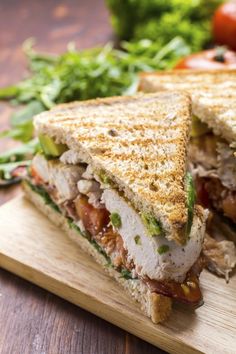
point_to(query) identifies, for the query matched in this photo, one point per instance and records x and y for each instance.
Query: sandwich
(211, 153)
(112, 174)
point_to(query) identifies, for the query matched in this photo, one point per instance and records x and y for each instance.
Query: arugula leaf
(41, 191)
(23, 132)
(21, 122)
(7, 168)
(96, 72)
(92, 241)
(101, 250)
(126, 274)
(19, 153)
(8, 92)
(79, 75)
(26, 114)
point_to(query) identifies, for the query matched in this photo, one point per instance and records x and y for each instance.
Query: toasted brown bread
(140, 142)
(213, 95)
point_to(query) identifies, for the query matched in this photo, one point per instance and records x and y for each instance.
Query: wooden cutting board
(33, 248)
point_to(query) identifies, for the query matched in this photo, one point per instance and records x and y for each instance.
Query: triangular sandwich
(112, 174)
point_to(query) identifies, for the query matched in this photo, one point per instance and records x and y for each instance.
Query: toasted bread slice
(139, 142)
(213, 95)
(155, 306)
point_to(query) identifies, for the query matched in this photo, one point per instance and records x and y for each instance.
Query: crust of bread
(145, 155)
(155, 306)
(213, 94)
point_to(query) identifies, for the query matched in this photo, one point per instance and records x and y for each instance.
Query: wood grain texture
(32, 320)
(35, 249)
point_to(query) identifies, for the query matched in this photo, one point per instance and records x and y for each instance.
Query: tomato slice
(36, 177)
(217, 58)
(202, 194)
(229, 206)
(94, 219)
(224, 24)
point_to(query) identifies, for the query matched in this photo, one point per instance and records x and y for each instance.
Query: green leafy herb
(8, 92)
(21, 122)
(162, 20)
(137, 240)
(46, 197)
(163, 249)
(101, 250)
(73, 225)
(152, 225)
(104, 178)
(79, 75)
(126, 274)
(191, 197)
(115, 220)
(19, 153)
(90, 73)
(6, 170)
(85, 234)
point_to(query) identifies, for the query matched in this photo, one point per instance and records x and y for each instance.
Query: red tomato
(94, 219)
(36, 177)
(228, 205)
(224, 24)
(202, 194)
(217, 58)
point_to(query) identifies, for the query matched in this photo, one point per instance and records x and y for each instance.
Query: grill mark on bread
(137, 141)
(213, 94)
(101, 150)
(154, 176)
(133, 156)
(171, 198)
(146, 174)
(113, 125)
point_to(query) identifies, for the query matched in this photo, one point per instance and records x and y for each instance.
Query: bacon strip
(187, 292)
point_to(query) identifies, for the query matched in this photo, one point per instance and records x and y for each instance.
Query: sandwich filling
(133, 243)
(214, 166)
(214, 170)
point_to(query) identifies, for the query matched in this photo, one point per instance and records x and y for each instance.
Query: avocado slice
(198, 128)
(152, 225)
(50, 148)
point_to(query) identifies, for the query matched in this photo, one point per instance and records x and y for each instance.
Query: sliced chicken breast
(63, 177)
(155, 257)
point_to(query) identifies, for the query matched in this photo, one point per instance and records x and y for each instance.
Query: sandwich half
(211, 151)
(112, 173)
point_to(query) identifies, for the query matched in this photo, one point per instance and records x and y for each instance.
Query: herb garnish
(152, 225)
(126, 274)
(163, 249)
(46, 197)
(137, 240)
(115, 220)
